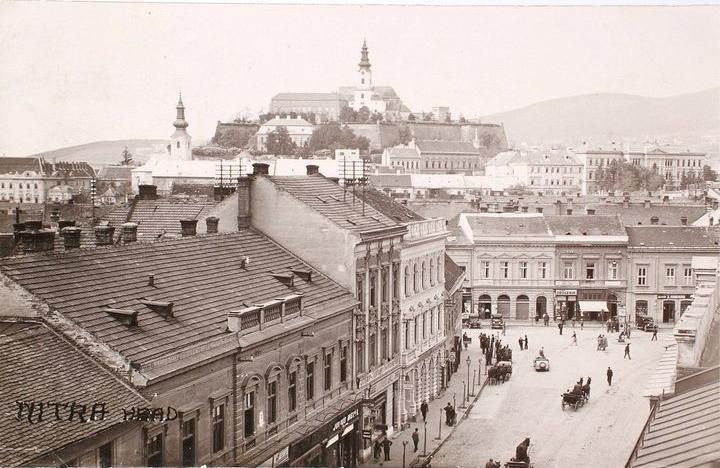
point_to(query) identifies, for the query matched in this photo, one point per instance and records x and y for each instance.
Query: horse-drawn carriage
(577, 397)
(500, 372)
(504, 354)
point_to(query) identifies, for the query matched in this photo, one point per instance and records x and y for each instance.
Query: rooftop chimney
(104, 235)
(666, 199)
(646, 203)
(63, 223)
(243, 190)
(626, 201)
(71, 236)
(538, 209)
(591, 211)
(129, 232)
(714, 204)
(188, 227)
(211, 223)
(683, 221)
(312, 169)
(261, 169)
(147, 192)
(37, 240)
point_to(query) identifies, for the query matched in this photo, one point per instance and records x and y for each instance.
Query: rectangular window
(416, 326)
(309, 380)
(188, 442)
(542, 269)
(396, 281)
(155, 450)
(372, 351)
(218, 428)
(373, 290)
(568, 270)
(360, 292)
(670, 276)
(328, 371)
(407, 334)
(688, 275)
(292, 391)
(343, 363)
(360, 361)
(272, 402)
(395, 338)
(590, 270)
(384, 285)
(505, 269)
(612, 270)
(424, 325)
(523, 270)
(105, 457)
(642, 276)
(249, 414)
(384, 345)
(485, 269)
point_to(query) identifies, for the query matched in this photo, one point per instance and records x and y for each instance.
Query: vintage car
(643, 322)
(541, 363)
(496, 321)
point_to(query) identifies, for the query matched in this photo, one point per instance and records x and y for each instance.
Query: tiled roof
(37, 364)
(637, 214)
(390, 180)
(444, 146)
(502, 159)
(278, 122)
(552, 157)
(388, 206)
(581, 225)
(403, 152)
(685, 431)
(671, 236)
(671, 149)
(162, 216)
(510, 225)
(115, 172)
(307, 97)
(69, 169)
(452, 273)
(331, 201)
(118, 215)
(202, 276)
(19, 165)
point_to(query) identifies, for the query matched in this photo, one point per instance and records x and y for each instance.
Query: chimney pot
(37, 241)
(243, 191)
(147, 192)
(261, 169)
(312, 169)
(129, 233)
(104, 235)
(63, 223)
(151, 280)
(212, 222)
(71, 237)
(188, 227)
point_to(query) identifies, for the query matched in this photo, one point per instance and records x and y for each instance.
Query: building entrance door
(540, 306)
(668, 311)
(503, 307)
(522, 308)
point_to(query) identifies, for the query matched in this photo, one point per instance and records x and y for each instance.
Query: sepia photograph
(402, 235)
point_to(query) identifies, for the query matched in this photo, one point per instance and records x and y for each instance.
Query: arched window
(250, 391)
(407, 281)
(424, 275)
(272, 388)
(416, 274)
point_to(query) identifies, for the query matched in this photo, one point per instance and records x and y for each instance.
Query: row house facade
(239, 352)
(549, 172)
(33, 179)
(661, 268)
(361, 249)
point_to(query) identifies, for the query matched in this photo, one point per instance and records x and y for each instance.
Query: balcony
(425, 228)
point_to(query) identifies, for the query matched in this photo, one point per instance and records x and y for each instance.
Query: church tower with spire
(363, 92)
(180, 139)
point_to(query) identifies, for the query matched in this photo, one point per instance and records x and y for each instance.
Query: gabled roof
(115, 173)
(19, 165)
(671, 237)
(538, 157)
(672, 149)
(445, 146)
(38, 364)
(388, 206)
(333, 202)
(402, 152)
(68, 169)
(585, 225)
(307, 97)
(685, 431)
(201, 276)
(452, 273)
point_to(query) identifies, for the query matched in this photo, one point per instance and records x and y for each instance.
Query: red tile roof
(201, 275)
(672, 237)
(38, 364)
(585, 225)
(331, 201)
(388, 206)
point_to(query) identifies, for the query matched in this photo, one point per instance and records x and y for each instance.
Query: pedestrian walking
(520, 342)
(377, 450)
(415, 439)
(503, 328)
(424, 410)
(574, 338)
(560, 327)
(582, 324)
(448, 414)
(386, 447)
(526, 344)
(627, 352)
(573, 321)
(654, 336)
(609, 376)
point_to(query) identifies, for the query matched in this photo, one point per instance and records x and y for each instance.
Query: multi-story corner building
(241, 350)
(548, 172)
(661, 280)
(361, 249)
(454, 279)
(508, 260)
(671, 162)
(422, 302)
(31, 179)
(590, 268)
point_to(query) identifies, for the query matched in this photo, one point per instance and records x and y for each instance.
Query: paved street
(600, 434)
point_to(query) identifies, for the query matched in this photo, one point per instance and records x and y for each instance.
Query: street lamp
(404, 444)
(467, 361)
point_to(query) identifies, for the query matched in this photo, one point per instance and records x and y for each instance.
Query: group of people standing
(490, 346)
(523, 342)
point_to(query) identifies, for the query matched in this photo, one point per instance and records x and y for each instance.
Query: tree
(363, 114)
(448, 118)
(347, 114)
(404, 134)
(332, 136)
(708, 174)
(127, 158)
(411, 118)
(279, 142)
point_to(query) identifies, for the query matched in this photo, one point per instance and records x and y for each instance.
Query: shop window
(188, 442)
(218, 423)
(105, 455)
(310, 380)
(590, 270)
(272, 402)
(249, 414)
(155, 450)
(642, 276)
(328, 370)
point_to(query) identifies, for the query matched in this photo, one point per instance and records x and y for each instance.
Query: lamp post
(467, 394)
(404, 444)
(440, 425)
(462, 402)
(472, 394)
(425, 439)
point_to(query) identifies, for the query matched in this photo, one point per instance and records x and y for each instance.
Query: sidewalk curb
(429, 456)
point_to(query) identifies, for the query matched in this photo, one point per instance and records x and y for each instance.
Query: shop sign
(347, 429)
(346, 419)
(674, 296)
(367, 433)
(332, 440)
(566, 292)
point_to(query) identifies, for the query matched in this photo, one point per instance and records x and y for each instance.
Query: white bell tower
(180, 140)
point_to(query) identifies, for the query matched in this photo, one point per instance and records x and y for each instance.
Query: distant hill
(102, 153)
(690, 118)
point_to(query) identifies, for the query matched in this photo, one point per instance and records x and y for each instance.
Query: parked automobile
(496, 321)
(642, 322)
(474, 323)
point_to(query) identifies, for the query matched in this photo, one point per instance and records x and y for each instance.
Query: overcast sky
(72, 73)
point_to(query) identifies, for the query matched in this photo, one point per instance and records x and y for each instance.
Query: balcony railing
(424, 228)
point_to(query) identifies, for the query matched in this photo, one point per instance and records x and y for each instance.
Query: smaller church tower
(180, 140)
(363, 91)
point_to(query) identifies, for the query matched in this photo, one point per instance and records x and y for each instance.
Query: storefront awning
(593, 306)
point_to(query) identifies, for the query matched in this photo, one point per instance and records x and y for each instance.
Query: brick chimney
(33, 225)
(37, 240)
(148, 192)
(104, 235)
(63, 223)
(243, 191)
(211, 223)
(188, 227)
(71, 237)
(129, 233)
(312, 169)
(715, 204)
(261, 169)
